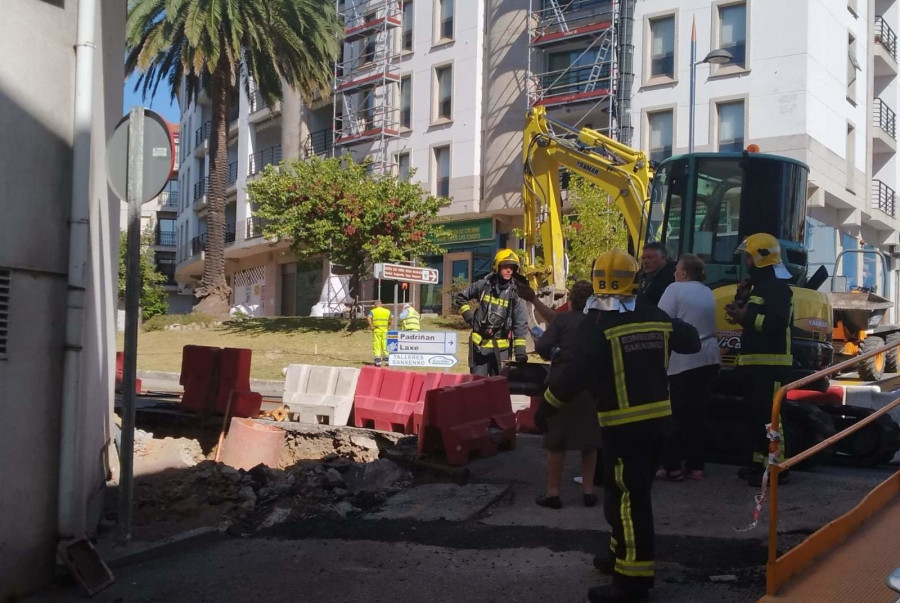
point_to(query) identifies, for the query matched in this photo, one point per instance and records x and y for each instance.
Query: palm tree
(216, 45)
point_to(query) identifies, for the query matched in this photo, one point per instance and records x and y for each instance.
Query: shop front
(470, 245)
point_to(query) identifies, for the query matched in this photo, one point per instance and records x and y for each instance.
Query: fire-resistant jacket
(498, 305)
(622, 359)
(766, 335)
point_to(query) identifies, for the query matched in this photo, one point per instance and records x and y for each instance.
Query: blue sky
(159, 103)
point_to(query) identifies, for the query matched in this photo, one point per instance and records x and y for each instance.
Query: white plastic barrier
(320, 394)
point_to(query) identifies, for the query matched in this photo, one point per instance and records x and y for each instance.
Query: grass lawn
(277, 342)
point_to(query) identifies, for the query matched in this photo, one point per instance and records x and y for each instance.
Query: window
(851, 157)
(368, 51)
(733, 32)
(444, 77)
(442, 171)
(445, 20)
(569, 71)
(403, 166)
(165, 232)
(660, 125)
(408, 23)
(368, 110)
(662, 47)
(405, 102)
(731, 126)
(852, 68)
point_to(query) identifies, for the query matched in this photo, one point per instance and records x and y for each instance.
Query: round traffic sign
(159, 157)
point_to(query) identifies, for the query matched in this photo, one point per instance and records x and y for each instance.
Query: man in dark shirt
(657, 273)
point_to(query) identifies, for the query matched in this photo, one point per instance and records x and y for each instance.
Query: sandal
(675, 476)
(551, 502)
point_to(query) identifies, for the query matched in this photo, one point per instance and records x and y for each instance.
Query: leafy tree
(210, 45)
(332, 206)
(596, 226)
(153, 296)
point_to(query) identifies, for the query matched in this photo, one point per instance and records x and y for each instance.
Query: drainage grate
(5, 279)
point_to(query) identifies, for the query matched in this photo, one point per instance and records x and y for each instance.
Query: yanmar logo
(587, 168)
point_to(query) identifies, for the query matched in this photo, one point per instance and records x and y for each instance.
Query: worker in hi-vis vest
(409, 319)
(379, 321)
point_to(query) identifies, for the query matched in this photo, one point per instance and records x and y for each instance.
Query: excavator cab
(707, 203)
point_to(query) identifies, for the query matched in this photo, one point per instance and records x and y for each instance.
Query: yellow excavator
(700, 203)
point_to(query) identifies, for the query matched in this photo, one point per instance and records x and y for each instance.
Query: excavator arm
(620, 171)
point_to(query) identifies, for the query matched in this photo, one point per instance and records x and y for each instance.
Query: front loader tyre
(805, 425)
(890, 365)
(872, 369)
(875, 444)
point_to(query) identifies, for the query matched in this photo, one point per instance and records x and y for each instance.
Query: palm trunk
(214, 289)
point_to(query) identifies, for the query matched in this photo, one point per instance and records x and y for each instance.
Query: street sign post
(422, 348)
(409, 274)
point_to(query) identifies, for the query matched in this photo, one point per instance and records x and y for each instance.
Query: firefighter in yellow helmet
(498, 321)
(762, 307)
(621, 359)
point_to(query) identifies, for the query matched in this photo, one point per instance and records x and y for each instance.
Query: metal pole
(693, 85)
(132, 307)
(396, 304)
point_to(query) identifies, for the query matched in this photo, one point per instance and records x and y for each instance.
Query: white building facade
(442, 87)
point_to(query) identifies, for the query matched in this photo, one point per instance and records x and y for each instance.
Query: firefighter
(623, 352)
(409, 319)
(762, 307)
(379, 321)
(498, 314)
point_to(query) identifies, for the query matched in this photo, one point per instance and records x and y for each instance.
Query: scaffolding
(580, 52)
(367, 81)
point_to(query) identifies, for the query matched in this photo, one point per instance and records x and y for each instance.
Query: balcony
(230, 231)
(166, 267)
(201, 134)
(575, 19)
(164, 238)
(883, 198)
(255, 227)
(885, 49)
(571, 85)
(201, 189)
(198, 244)
(257, 105)
(884, 134)
(168, 200)
(319, 143)
(260, 159)
(232, 173)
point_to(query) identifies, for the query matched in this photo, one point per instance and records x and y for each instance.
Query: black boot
(610, 594)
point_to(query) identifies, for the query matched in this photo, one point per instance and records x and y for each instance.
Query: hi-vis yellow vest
(381, 317)
(411, 322)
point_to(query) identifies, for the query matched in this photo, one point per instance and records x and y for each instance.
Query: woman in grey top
(690, 375)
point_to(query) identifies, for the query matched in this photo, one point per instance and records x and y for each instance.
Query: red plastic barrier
(459, 420)
(434, 381)
(199, 365)
(120, 374)
(833, 397)
(525, 417)
(234, 376)
(386, 400)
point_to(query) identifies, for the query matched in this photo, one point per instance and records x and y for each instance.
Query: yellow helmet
(615, 273)
(506, 256)
(763, 249)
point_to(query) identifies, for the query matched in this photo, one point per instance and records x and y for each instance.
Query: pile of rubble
(214, 493)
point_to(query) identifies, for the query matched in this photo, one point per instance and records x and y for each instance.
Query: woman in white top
(690, 375)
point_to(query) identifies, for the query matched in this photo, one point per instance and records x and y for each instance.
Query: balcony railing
(229, 233)
(319, 143)
(165, 238)
(166, 267)
(198, 244)
(201, 134)
(232, 173)
(261, 159)
(168, 199)
(885, 118)
(885, 36)
(883, 197)
(255, 101)
(201, 188)
(255, 227)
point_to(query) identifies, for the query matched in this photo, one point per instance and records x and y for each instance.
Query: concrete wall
(36, 108)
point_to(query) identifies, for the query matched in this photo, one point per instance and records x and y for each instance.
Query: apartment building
(160, 216)
(442, 88)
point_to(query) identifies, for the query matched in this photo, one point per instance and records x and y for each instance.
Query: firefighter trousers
(631, 456)
(486, 361)
(760, 385)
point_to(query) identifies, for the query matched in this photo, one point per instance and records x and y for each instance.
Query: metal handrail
(883, 197)
(776, 468)
(885, 36)
(885, 118)
(267, 156)
(232, 172)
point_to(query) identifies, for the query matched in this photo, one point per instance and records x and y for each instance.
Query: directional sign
(421, 342)
(410, 274)
(426, 360)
